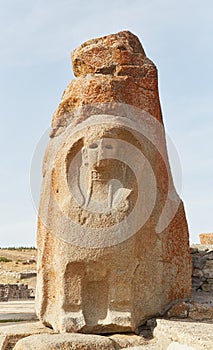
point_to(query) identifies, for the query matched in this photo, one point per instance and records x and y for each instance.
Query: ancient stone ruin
(113, 245)
(202, 272)
(14, 291)
(206, 238)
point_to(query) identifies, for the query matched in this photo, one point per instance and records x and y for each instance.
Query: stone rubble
(191, 310)
(14, 291)
(19, 275)
(10, 335)
(202, 274)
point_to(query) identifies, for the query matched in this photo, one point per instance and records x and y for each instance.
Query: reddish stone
(116, 287)
(179, 310)
(206, 238)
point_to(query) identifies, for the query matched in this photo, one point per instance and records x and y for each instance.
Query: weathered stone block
(65, 341)
(197, 273)
(207, 287)
(199, 312)
(10, 335)
(197, 282)
(113, 244)
(199, 260)
(206, 238)
(208, 269)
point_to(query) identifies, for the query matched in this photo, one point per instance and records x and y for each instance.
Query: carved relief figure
(104, 193)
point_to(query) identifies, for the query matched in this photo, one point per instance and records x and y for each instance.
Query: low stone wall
(19, 275)
(15, 291)
(202, 261)
(26, 274)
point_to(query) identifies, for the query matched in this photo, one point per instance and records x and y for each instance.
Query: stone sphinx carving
(112, 235)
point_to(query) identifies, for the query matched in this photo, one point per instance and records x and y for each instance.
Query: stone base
(75, 342)
(66, 341)
(168, 335)
(34, 335)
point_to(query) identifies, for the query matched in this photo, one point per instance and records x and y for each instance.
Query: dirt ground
(21, 260)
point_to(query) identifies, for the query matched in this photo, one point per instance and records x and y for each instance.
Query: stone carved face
(97, 155)
(100, 160)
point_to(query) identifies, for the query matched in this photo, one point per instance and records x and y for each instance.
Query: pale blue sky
(36, 40)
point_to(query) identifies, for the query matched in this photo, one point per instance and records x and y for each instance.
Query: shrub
(19, 248)
(4, 259)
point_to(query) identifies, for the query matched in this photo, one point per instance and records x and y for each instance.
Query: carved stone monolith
(113, 245)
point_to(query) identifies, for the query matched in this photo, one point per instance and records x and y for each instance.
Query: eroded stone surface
(112, 69)
(65, 341)
(196, 335)
(128, 340)
(206, 238)
(10, 335)
(112, 233)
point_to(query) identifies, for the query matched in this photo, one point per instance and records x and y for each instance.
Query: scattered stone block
(206, 238)
(10, 335)
(65, 341)
(26, 274)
